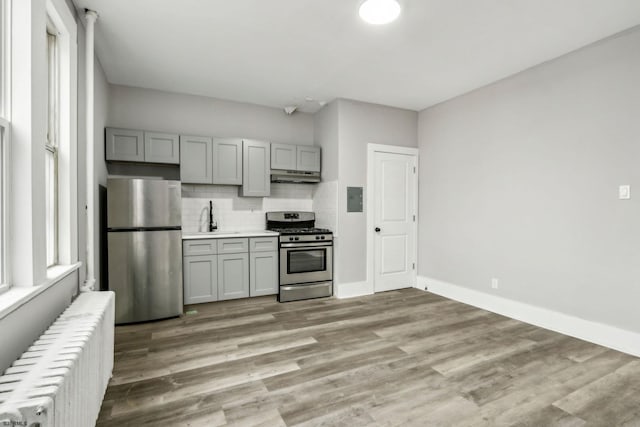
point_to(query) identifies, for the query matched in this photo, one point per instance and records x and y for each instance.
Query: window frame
(64, 22)
(52, 143)
(5, 138)
(5, 141)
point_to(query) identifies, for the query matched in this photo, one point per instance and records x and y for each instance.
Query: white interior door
(394, 219)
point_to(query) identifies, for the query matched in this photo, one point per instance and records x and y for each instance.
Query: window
(4, 139)
(4, 163)
(51, 146)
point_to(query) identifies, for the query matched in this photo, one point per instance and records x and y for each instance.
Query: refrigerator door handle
(133, 229)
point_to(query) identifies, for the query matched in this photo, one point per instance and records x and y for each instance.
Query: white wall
(101, 110)
(82, 153)
(139, 108)
(519, 181)
(359, 125)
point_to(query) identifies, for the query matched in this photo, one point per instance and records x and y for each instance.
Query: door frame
(392, 149)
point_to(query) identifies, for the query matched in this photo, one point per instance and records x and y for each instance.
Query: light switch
(624, 192)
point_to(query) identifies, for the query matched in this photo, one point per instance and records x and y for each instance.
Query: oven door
(305, 263)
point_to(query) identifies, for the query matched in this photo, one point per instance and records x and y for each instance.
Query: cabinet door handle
(377, 229)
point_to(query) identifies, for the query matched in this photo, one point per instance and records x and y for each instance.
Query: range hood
(295, 177)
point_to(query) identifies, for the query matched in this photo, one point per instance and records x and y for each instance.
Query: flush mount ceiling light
(379, 12)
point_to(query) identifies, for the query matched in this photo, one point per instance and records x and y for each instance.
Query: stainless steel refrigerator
(144, 248)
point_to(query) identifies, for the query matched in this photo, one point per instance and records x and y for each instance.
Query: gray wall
(20, 328)
(197, 115)
(519, 181)
(360, 124)
(100, 118)
(325, 135)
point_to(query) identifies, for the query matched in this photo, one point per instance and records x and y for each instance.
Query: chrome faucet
(212, 225)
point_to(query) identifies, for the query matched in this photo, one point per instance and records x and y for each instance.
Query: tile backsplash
(235, 213)
(325, 205)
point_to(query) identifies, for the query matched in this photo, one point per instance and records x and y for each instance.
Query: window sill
(17, 296)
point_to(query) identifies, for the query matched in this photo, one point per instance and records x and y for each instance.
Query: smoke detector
(290, 109)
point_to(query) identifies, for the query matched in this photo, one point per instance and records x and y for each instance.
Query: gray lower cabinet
(263, 266)
(200, 270)
(263, 273)
(256, 169)
(196, 159)
(229, 268)
(233, 276)
(200, 279)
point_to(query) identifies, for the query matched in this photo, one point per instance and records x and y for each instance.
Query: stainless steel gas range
(306, 256)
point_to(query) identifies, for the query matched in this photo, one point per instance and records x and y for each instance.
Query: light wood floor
(394, 359)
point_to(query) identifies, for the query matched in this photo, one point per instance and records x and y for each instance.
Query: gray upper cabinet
(256, 169)
(128, 145)
(227, 161)
(283, 156)
(295, 157)
(124, 145)
(161, 148)
(196, 160)
(308, 158)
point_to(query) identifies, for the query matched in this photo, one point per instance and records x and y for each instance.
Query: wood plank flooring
(399, 358)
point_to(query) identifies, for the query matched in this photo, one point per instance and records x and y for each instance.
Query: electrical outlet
(624, 192)
(494, 283)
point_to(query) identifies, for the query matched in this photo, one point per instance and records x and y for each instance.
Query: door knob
(377, 229)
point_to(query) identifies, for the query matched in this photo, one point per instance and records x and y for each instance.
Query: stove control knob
(322, 237)
(317, 237)
(297, 238)
(290, 238)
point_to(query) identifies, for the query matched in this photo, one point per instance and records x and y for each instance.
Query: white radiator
(61, 379)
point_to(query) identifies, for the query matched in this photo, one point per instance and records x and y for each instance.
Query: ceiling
(279, 52)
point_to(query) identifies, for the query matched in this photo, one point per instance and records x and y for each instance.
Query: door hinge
(414, 169)
(414, 265)
(414, 218)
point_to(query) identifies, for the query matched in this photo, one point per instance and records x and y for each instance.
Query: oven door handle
(298, 287)
(306, 245)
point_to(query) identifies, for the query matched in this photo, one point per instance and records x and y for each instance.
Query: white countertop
(228, 234)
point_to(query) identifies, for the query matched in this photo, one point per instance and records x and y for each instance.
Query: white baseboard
(587, 330)
(353, 289)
